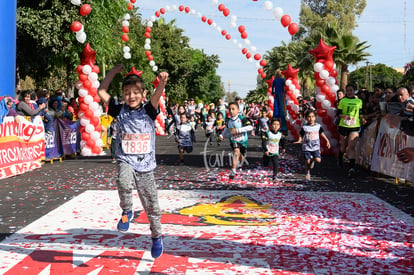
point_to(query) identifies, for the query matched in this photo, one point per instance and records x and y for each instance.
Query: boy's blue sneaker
(123, 224)
(157, 247)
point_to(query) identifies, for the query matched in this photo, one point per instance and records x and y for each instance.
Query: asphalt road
(27, 197)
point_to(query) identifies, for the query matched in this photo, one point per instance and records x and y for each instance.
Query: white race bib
(136, 144)
(350, 122)
(272, 148)
(237, 137)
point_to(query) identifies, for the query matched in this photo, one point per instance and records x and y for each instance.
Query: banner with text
(22, 146)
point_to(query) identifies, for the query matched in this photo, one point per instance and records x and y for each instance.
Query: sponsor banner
(384, 159)
(52, 143)
(365, 146)
(68, 132)
(219, 232)
(22, 146)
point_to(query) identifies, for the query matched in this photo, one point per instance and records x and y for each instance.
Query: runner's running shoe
(123, 224)
(157, 247)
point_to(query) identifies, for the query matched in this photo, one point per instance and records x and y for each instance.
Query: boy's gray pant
(128, 179)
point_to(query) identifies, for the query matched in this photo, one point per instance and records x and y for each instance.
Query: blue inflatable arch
(8, 9)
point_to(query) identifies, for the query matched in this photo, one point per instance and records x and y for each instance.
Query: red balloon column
(325, 75)
(292, 89)
(271, 99)
(90, 112)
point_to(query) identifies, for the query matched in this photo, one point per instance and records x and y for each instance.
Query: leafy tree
(380, 74)
(408, 79)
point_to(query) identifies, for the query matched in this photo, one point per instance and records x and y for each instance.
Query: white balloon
(86, 151)
(214, 2)
(233, 25)
(317, 67)
(126, 49)
(153, 18)
(278, 13)
(253, 49)
(320, 97)
(88, 99)
(93, 76)
(334, 88)
(127, 55)
(152, 63)
(147, 47)
(331, 111)
(330, 81)
(95, 135)
(82, 92)
(247, 42)
(324, 74)
(89, 128)
(251, 60)
(295, 108)
(154, 68)
(127, 16)
(84, 121)
(233, 19)
(239, 46)
(167, 8)
(326, 104)
(150, 24)
(292, 87)
(76, 2)
(258, 65)
(199, 15)
(81, 114)
(218, 29)
(214, 25)
(97, 113)
(81, 37)
(86, 69)
(268, 5)
(288, 82)
(235, 41)
(82, 143)
(174, 8)
(125, 23)
(94, 106)
(192, 12)
(78, 85)
(147, 41)
(99, 142)
(96, 84)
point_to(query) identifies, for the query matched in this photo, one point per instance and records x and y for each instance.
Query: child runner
(209, 128)
(309, 137)
(184, 136)
(219, 126)
(136, 149)
(272, 140)
(237, 128)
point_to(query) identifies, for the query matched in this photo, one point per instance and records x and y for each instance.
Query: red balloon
(333, 73)
(130, 6)
(82, 129)
(150, 57)
(248, 55)
(90, 142)
(88, 113)
(244, 35)
(209, 21)
(244, 50)
(325, 89)
(260, 70)
(95, 69)
(204, 19)
(96, 98)
(293, 28)
(316, 75)
(98, 128)
(96, 150)
(85, 136)
(95, 121)
(223, 32)
(263, 75)
(221, 7)
(181, 8)
(147, 35)
(226, 12)
(328, 65)
(147, 53)
(162, 10)
(157, 14)
(125, 37)
(79, 69)
(86, 84)
(83, 77)
(257, 56)
(321, 112)
(263, 63)
(83, 107)
(187, 9)
(242, 29)
(148, 29)
(133, 1)
(85, 9)
(93, 91)
(228, 36)
(125, 29)
(320, 82)
(285, 20)
(76, 26)
(80, 100)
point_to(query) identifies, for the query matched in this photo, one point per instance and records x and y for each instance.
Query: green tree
(379, 75)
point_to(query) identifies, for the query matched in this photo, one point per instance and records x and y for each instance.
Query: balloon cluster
(147, 45)
(271, 99)
(89, 109)
(292, 89)
(285, 19)
(161, 118)
(125, 30)
(325, 75)
(77, 26)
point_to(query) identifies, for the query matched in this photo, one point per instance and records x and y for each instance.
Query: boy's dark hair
(310, 111)
(351, 85)
(133, 79)
(234, 103)
(183, 114)
(274, 119)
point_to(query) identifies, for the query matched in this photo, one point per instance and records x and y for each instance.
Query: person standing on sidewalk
(136, 149)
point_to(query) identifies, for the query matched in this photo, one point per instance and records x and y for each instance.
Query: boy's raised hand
(163, 77)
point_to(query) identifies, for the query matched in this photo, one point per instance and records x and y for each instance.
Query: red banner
(22, 146)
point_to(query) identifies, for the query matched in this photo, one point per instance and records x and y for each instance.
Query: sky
(384, 24)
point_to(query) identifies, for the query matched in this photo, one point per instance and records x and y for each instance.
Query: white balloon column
(89, 109)
(325, 75)
(292, 89)
(160, 120)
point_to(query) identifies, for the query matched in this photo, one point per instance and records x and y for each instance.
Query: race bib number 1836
(135, 144)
